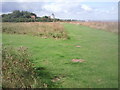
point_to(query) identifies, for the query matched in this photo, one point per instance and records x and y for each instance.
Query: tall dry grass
(45, 30)
(108, 26)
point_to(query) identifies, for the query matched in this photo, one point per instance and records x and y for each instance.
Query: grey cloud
(10, 6)
(26, 6)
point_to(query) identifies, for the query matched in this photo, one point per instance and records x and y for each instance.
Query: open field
(108, 26)
(53, 58)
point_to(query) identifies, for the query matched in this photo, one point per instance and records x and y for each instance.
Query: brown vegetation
(45, 30)
(17, 70)
(108, 26)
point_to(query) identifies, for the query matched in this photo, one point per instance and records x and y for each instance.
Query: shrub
(17, 70)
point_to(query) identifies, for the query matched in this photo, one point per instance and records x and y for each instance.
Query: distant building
(33, 17)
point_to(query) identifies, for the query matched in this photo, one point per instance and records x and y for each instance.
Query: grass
(53, 58)
(45, 30)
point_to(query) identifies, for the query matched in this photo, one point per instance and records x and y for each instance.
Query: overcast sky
(67, 9)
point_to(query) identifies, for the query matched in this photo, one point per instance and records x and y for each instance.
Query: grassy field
(52, 58)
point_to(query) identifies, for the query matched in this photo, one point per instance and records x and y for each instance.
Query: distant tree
(33, 14)
(16, 14)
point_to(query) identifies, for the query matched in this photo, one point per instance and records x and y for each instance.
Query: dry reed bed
(45, 30)
(108, 26)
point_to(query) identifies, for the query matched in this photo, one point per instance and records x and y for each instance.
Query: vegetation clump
(17, 70)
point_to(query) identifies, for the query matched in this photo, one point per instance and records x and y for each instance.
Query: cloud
(63, 7)
(60, 0)
(52, 7)
(27, 6)
(65, 10)
(9, 6)
(86, 7)
(42, 0)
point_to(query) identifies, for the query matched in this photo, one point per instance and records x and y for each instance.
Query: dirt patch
(78, 46)
(57, 78)
(78, 60)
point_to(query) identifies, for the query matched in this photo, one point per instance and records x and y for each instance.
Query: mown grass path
(53, 58)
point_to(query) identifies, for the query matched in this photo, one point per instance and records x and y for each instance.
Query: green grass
(53, 57)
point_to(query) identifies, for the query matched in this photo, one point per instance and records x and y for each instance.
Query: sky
(66, 9)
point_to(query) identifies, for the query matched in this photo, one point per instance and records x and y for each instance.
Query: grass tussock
(17, 70)
(44, 30)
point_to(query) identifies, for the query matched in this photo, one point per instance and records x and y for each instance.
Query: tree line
(25, 16)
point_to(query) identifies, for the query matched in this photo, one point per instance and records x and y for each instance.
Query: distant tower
(53, 17)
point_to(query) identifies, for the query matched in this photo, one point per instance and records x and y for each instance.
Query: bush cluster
(17, 70)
